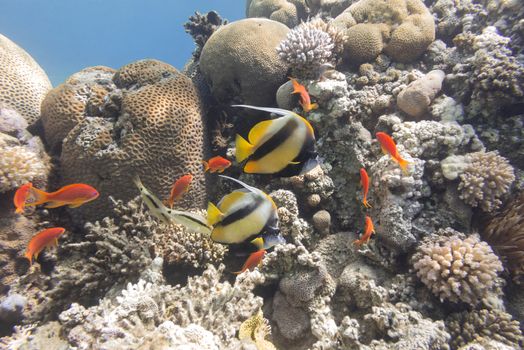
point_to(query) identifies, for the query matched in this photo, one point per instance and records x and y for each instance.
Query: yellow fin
(294, 163)
(244, 148)
(258, 242)
(258, 131)
(213, 214)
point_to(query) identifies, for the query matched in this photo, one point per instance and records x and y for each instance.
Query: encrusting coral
(457, 268)
(23, 83)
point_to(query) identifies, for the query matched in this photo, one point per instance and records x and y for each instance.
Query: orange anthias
(388, 146)
(21, 196)
(305, 100)
(215, 164)
(253, 261)
(73, 195)
(180, 187)
(369, 229)
(43, 239)
(364, 181)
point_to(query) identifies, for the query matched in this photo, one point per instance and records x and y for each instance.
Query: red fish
(252, 261)
(43, 239)
(305, 100)
(364, 181)
(215, 164)
(369, 229)
(72, 195)
(388, 146)
(180, 187)
(21, 196)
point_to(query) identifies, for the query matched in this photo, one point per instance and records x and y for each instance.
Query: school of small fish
(284, 146)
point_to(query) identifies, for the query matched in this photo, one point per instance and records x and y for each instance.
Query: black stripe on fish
(307, 152)
(276, 140)
(242, 212)
(152, 200)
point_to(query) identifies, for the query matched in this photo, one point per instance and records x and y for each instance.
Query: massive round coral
(284, 11)
(23, 83)
(240, 60)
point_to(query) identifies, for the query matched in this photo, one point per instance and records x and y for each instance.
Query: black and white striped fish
(284, 146)
(242, 215)
(193, 222)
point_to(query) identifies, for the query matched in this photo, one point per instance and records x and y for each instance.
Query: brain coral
(405, 27)
(23, 84)
(457, 268)
(150, 126)
(486, 177)
(283, 11)
(239, 61)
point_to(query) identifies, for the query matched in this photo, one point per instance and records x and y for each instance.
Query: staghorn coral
(240, 63)
(201, 27)
(288, 12)
(479, 325)
(23, 83)
(457, 268)
(150, 125)
(486, 178)
(505, 233)
(417, 96)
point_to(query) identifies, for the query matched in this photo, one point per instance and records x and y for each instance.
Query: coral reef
(201, 27)
(150, 125)
(288, 12)
(457, 268)
(240, 63)
(23, 83)
(417, 96)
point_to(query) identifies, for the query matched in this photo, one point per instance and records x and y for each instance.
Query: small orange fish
(21, 196)
(388, 146)
(215, 164)
(305, 100)
(180, 187)
(367, 232)
(43, 239)
(364, 181)
(73, 195)
(253, 261)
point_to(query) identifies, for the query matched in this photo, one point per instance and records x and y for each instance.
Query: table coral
(239, 61)
(457, 268)
(23, 83)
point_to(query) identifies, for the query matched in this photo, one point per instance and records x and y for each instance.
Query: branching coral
(477, 325)
(456, 268)
(505, 233)
(486, 178)
(201, 27)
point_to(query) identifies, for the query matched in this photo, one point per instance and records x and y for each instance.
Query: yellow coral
(254, 330)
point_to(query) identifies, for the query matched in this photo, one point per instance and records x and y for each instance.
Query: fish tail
(313, 106)
(29, 257)
(137, 182)
(206, 165)
(244, 148)
(366, 203)
(39, 196)
(403, 165)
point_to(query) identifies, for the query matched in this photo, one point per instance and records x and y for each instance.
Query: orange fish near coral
(72, 195)
(43, 239)
(21, 196)
(252, 261)
(364, 181)
(388, 146)
(180, 187)
(215, 164)
(305, 100)
(367, 232)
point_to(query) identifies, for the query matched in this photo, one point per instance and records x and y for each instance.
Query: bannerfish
(193, 222)
(364, 181)
(180, 187)
(21, 195)
(368, 230)
(242, 215)
(283, 146)
(268, 240)
(216, 164)
(388, 146)
(43, 239)
(252, 261)
(72, 195)
(305, 100)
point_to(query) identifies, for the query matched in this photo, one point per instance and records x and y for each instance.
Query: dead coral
(201, 27)
(457, 268)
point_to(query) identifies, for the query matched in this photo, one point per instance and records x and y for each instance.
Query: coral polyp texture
(144, 120)
(457, 268)
(23, 83)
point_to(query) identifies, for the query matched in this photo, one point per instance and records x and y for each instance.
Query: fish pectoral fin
(243, 148)
(384, 150)
(294, 163)
(213, 214)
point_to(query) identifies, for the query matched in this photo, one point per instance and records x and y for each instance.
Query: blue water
(64, 36)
